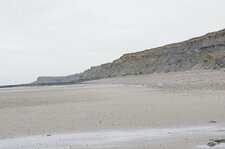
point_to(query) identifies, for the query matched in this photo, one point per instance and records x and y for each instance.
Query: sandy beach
(126, 112)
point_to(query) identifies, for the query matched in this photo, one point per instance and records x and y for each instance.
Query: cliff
(205, 52)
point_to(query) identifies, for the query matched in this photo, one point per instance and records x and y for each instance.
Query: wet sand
(105, 111)
(169, 137)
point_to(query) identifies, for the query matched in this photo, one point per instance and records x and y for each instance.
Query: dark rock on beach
(211, 144)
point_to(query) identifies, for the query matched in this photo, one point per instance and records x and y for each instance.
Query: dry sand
(132, 115)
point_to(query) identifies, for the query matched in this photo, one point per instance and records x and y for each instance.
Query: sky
(62, 37)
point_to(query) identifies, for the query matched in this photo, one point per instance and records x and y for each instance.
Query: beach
(126, 112)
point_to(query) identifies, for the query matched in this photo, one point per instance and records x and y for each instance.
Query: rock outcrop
(205, 52)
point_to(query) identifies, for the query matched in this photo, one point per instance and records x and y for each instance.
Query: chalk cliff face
(205, 52)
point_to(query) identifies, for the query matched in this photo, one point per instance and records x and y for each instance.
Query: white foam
(104, 139)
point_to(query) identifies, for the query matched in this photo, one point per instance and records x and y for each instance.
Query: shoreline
(102, 106)
(110, 139)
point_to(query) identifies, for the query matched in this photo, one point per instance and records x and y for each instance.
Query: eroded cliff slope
(205, 52)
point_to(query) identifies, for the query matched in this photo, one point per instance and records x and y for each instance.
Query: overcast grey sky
(62, 37)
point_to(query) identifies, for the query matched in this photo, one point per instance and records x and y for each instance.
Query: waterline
(104, 139)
